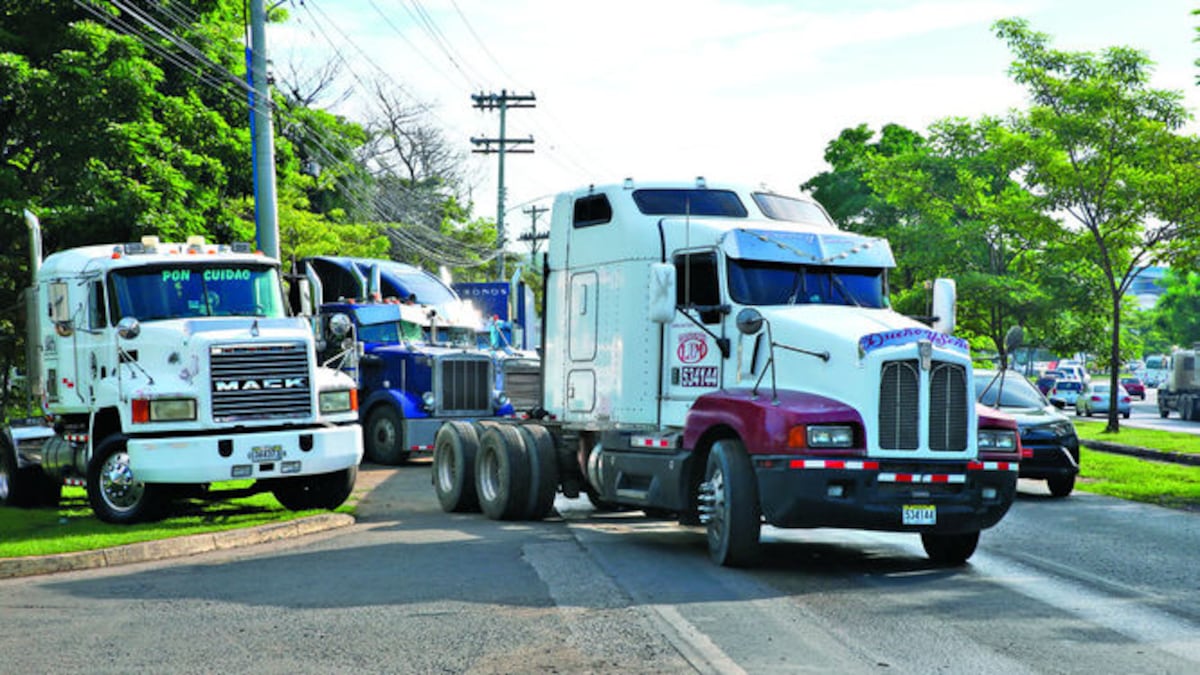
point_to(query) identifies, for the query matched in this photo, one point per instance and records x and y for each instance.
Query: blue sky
(743, 90)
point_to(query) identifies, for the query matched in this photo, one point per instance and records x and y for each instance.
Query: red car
(1135, 387)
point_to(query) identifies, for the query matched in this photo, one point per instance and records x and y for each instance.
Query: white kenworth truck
(728, 355)
(163, 368)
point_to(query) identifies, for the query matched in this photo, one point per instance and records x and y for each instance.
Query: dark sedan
(1049, 446)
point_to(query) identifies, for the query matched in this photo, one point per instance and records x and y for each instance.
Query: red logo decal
(692, 349)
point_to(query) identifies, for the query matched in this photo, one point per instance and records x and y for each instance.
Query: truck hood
(840, 331)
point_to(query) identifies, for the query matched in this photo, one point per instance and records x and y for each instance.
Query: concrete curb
(171, 548)
(1143, 453)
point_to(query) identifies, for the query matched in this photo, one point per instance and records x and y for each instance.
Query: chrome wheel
(119, 489)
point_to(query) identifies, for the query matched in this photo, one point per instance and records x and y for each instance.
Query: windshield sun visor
(839, 249)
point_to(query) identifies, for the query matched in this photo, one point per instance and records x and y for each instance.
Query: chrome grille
(466, 387)
(899, 409)
(260, 381)
(948, 404)
(523, 383)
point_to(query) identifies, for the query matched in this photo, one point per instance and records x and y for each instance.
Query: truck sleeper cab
(728, 355)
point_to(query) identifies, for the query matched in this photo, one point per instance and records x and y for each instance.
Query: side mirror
(1013, 339)
(749, 321)
(129, 328)
(662, 292)
(945, 299)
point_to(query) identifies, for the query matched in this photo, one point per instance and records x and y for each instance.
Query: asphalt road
(1082, 585)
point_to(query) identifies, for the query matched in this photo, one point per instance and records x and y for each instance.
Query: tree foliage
(1103, 149)
(1044, 217)
(124, 119)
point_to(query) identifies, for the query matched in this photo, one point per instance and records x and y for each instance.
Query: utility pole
(533, 236)
(502, 102)
(266, 218)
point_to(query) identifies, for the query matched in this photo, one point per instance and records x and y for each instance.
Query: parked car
(1046, 382)
(1134, 386)
(1049, 446)
(1094, 399)
(1074, 372)
(1065, 392)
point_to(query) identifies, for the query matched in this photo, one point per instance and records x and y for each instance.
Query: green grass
(1163, 441)
(1161, 483)
(1152, 482)
(72, 526)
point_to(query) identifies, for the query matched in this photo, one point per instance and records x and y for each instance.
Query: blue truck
(412, 348)
(512, 334)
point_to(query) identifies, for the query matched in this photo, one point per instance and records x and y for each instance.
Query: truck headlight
(429, 399)
(501, 399)
(342, 400)
(1004, 440)
(163, 410)
(822, 436)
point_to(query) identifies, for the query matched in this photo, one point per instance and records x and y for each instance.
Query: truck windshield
(184, 291)
(755, 282)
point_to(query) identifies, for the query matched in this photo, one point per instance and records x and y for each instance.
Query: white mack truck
(728, 355)
(163, 368)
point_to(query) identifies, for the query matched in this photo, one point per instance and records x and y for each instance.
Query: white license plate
(919, 514)
(266, 453)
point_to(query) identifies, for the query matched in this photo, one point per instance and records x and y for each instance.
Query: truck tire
(949, 550)
(543, 470)
(1061, 487)
(322, 491)
(383, 436)
(1163, 412)
(735, 518)
(454, 451)
(115, 494)
(16, 486)
(502, 474)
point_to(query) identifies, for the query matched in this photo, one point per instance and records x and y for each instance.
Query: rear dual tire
(24, 486)
(454, 451)
(510, 472)
(502, 474)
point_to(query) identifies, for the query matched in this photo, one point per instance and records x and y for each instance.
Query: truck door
(581, 335)
(692, 360)
(61, 357)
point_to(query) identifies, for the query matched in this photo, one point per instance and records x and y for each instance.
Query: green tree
(1177, 313)
(1103, 150)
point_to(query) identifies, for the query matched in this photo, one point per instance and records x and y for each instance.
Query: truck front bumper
(870, 495)
(267, 454)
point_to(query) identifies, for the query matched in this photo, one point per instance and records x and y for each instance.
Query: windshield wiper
(841, 286)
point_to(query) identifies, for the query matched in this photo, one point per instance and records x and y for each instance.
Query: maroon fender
(763, 425)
